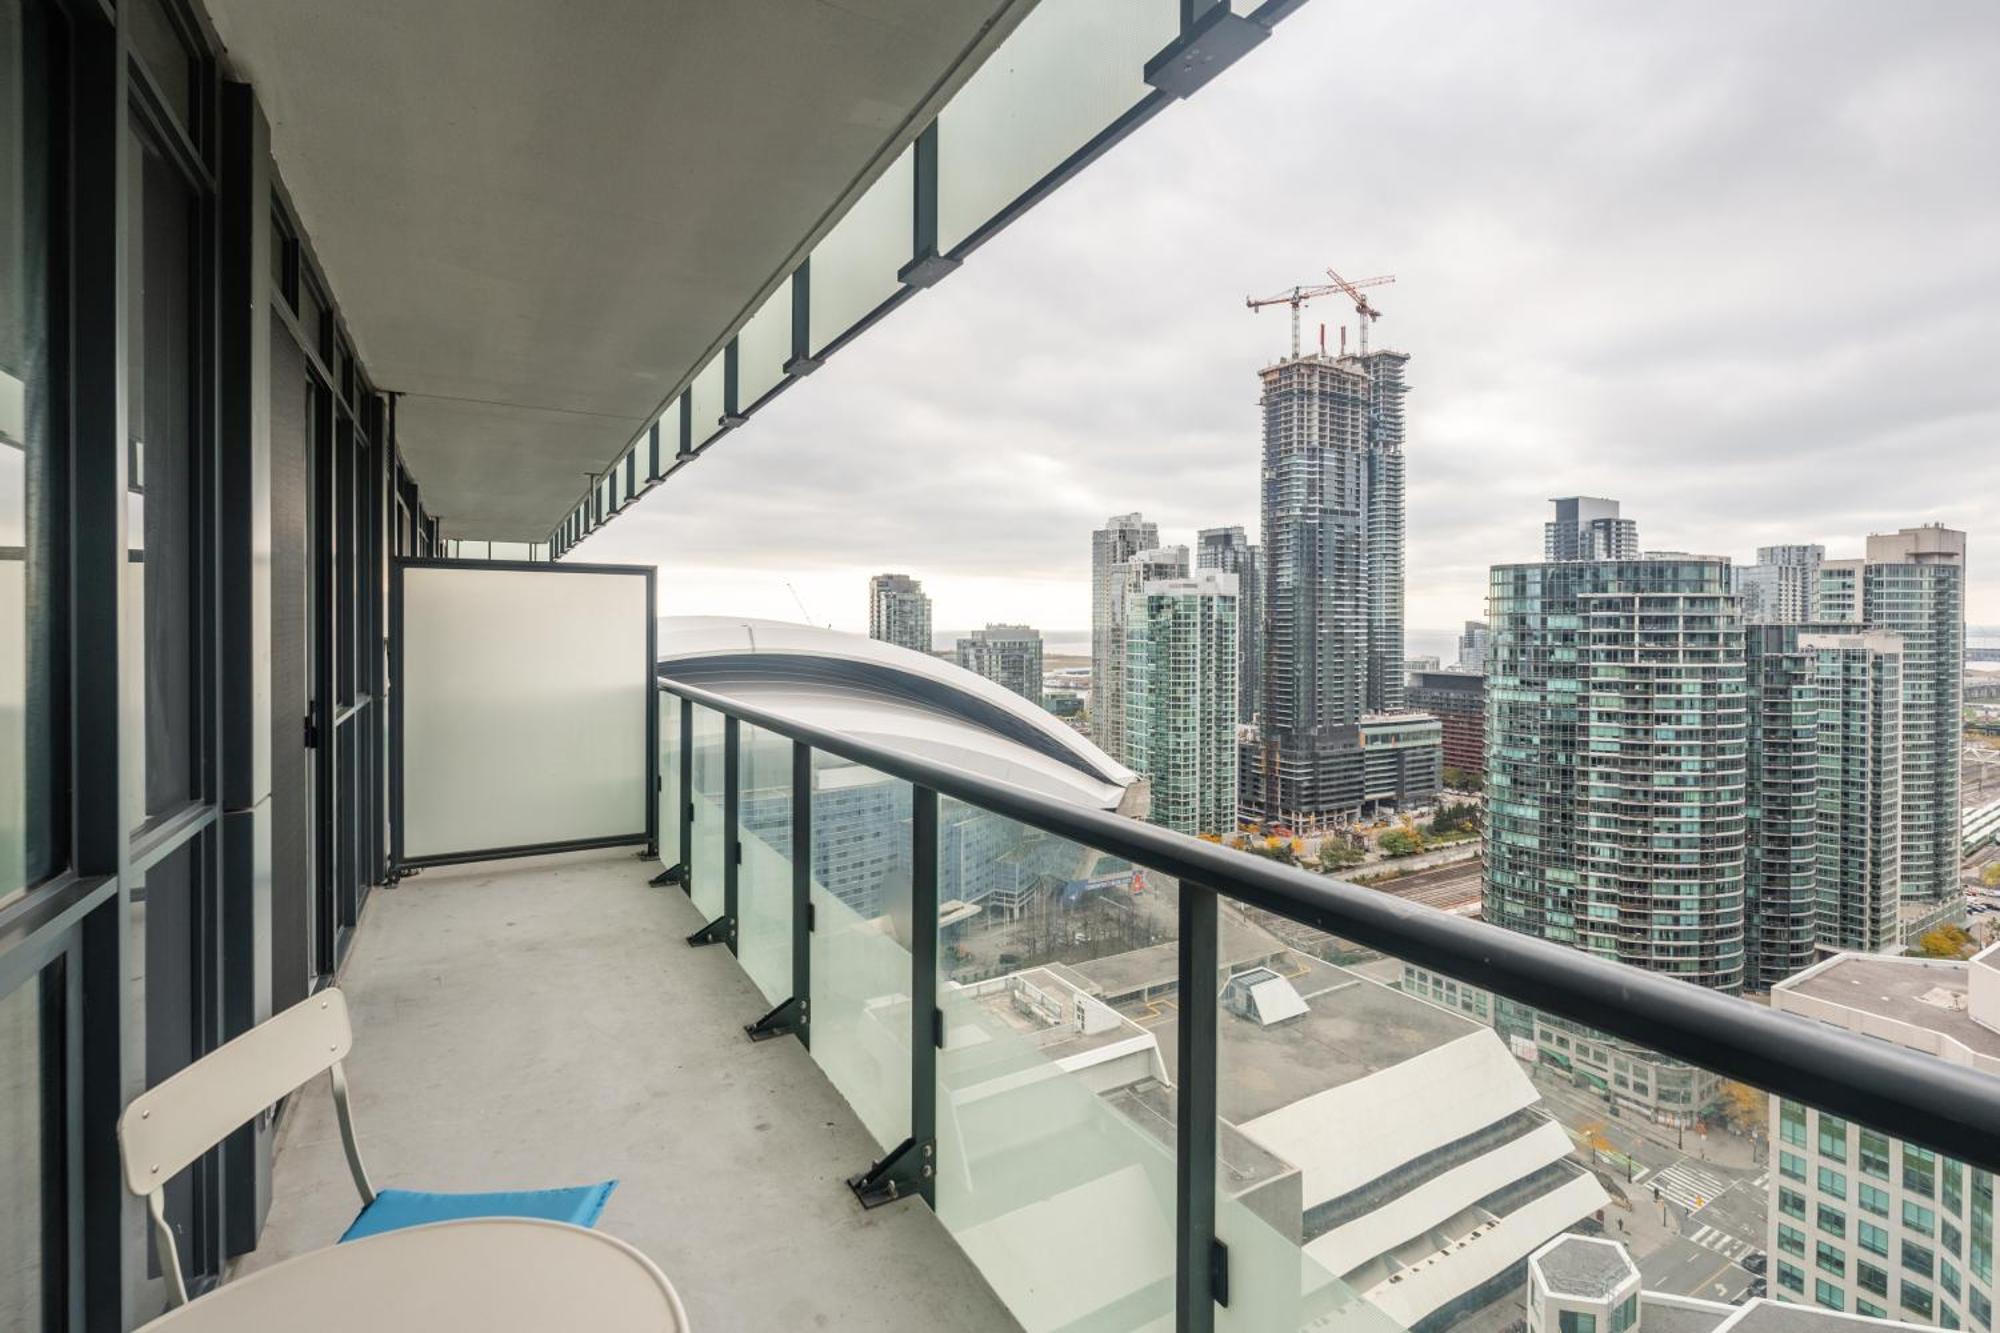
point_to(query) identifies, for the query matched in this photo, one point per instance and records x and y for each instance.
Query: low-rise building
(1589, 1284)
(1458, 700)
(1865, 1222)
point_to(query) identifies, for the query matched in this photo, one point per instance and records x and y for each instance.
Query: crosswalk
(1687, 1185)
(1732, 1247)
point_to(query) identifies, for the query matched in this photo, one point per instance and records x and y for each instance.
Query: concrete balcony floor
(542, 1022)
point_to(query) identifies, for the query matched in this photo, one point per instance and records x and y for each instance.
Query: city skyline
(1562, 351)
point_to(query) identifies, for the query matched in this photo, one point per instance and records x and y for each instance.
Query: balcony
(544, 1020)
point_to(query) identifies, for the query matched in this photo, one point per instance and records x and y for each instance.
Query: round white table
(508, 1274)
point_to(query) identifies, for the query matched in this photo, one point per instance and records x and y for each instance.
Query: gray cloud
(1734, 265)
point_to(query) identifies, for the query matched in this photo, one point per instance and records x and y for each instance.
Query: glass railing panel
(1058, 968)
(854, 266)
(764, 346)
(764, 880)
(1070, 70)
(705, 402)
(670, 779)
(860, 941)
(705, 851)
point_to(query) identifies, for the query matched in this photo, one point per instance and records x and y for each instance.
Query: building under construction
(1334, 740)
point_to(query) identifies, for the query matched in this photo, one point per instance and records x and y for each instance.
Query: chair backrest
(169, 1126)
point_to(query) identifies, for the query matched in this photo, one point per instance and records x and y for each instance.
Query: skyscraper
(1781, 587)
(1858, 677)
(1180, 705)
(1333, 593)
(1382, 516)
(1121, 537)
(898, 612)
(1007, 655)
(1781, 789)
(1914, 586)
(1472, 646)
(1228, 551)
(1615, 761)
(1587, 527)
(1128, 578)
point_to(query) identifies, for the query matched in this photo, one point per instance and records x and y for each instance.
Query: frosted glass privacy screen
(524, 701)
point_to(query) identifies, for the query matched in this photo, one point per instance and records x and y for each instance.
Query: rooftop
(1659, 1313)
(1583, 1266)
(1922, 992)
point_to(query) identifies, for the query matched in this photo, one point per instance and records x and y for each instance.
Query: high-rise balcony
(308, 306)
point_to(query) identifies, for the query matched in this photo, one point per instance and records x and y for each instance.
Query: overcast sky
(1735, 265)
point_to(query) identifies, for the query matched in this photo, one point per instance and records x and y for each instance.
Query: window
(1873, 1200)
(1626, 1314)
(1919, 1170)
(1569, 1321)
(1980, 1255)
(1949, 1237)
(1870, 1278)
(1791, 1278)
(1872, 1238)
(1832, 1182)
(1953, 1190)
(1830, 1258)
(1832, 1221)
(1792, 1123)
(1917, 1300)
(1791, 1203)
(1828, 1295)
(1791, 1240)
(1948, 1277)
(1947, 1317)
(1982, 1309)
(1918, 1218)
(1791, 1166)
(1918, 1258)
(1874, 1154)
(164, 475)
(1869, 1308)
(1832, 1138)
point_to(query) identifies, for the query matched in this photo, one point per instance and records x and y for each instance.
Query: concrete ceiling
(537, 218)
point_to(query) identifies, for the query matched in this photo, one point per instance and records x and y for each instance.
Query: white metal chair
(167, 1127)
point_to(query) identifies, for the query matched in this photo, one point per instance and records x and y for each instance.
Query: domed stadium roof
(890, 696)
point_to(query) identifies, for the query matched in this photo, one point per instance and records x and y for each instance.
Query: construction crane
(1298, 296)
(1364, 313)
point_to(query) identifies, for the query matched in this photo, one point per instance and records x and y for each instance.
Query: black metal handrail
(1935, 1103)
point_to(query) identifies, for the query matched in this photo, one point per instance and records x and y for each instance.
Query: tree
(1460, 818)
(1990, 876)
(1458, 779)
(1946, 941)
(1744, 1109)
(1401, 842)
(1338, 856)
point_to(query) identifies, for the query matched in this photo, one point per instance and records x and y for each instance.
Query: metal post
(687, 793)
(926, 265)
(1196, 1256)
(653, 830)
(802, 908)
(926, 1021)
(732, 846)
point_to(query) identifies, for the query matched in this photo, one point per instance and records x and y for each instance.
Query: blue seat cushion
(393, 1210)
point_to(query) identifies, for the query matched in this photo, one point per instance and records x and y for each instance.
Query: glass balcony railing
(1147, 1082)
